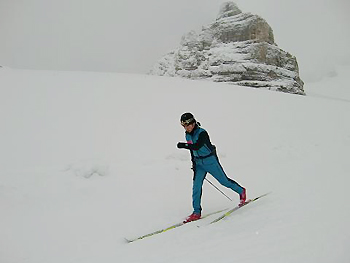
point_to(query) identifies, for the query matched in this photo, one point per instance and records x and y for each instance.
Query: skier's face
(189, 127)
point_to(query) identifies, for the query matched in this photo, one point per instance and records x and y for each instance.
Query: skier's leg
(219, 174)
(199, 175)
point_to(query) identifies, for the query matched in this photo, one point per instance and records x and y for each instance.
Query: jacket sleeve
(203, 139)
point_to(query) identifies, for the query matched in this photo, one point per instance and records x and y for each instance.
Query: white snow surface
(88, 159)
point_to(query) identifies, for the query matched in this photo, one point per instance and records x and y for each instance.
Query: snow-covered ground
(87, 159)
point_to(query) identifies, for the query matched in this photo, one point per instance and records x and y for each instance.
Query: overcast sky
(130, 36)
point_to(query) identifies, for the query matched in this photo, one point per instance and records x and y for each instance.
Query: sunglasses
(187, 122)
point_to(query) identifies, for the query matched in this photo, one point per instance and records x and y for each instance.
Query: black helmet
(187, 118)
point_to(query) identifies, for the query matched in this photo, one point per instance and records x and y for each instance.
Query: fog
(130, 36)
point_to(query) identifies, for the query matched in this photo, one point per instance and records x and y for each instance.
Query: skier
(204, 160)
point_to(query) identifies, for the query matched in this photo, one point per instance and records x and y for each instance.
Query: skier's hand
(181, 145)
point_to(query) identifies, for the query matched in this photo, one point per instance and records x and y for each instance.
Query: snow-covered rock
(239, 48)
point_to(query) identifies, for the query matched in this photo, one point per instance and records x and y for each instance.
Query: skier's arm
(203, 138)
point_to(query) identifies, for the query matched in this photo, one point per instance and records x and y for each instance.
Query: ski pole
(218, 189)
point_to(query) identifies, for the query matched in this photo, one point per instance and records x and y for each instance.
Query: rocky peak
(236, 48)
(228, 9)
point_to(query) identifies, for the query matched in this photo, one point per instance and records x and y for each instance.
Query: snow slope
(90, 158)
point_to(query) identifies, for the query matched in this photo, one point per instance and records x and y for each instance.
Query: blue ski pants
(209, 165)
